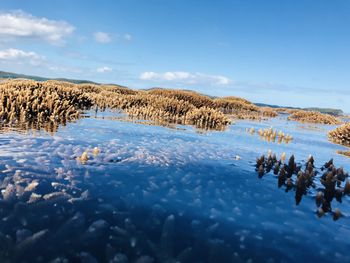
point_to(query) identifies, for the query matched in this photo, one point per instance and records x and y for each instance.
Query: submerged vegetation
(331, 184)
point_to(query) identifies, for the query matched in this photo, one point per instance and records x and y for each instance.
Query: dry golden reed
(51, 103)
(40, 102)
(47, 104)
(29, 103)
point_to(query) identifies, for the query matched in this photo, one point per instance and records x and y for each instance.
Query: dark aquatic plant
(294, 177)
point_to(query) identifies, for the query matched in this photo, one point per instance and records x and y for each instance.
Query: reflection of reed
(301, 178)
(271, 135)
(48, 126)
(345, 153)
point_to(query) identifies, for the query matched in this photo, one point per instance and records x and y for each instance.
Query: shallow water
(159, 194)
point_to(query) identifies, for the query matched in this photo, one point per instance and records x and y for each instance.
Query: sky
(290, 52)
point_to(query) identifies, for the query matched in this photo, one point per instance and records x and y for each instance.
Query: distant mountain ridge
(335, 112)
(10, 75)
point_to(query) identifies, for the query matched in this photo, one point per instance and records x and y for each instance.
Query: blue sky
(292, 52)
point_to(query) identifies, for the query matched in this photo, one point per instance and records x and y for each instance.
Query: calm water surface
(157, 194)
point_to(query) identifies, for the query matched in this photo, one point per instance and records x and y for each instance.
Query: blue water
(160, 194)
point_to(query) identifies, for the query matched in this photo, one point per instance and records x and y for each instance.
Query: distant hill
(335, 112)
(9, 75)
(276, 106)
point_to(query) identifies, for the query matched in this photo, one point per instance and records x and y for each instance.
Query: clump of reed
(178, 111)
(24, 101)
(301, 177)
(313, 117)
(341, 134)
(207, 118)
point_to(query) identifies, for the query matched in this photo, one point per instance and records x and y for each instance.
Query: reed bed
(207, 118)
(29, 103)
(34, 102)
(238, 108)
(313, 117)
(341, 135)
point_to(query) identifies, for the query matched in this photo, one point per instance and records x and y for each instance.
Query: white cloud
(186, 78)
(19, 24)
(20, 56)
(102, 37)
(104, 69)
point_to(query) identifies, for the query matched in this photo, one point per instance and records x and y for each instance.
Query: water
(159, 194)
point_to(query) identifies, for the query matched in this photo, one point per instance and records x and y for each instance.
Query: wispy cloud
(102, 37)
(19, 24)
(182, 77)
(20, 56)
(104, 69)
